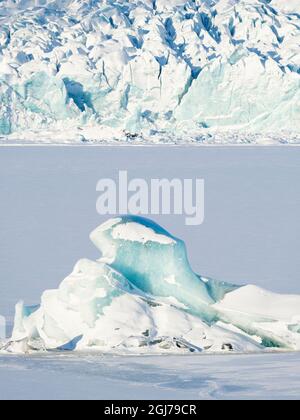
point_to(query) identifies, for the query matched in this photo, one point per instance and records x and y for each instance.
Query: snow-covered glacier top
(142, 296)
(202, 70)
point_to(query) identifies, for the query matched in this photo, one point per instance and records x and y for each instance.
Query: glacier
(199, 71)
(142, 297)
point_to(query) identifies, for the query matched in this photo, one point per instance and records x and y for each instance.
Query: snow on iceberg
(142, 296)
(173, 67)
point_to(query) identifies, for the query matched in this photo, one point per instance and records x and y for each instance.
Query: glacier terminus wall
(151, 66)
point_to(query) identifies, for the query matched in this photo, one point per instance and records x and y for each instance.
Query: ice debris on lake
(205, 71)
(142, 296)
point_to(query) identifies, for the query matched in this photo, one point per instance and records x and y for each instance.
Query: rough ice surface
(142, 296)
(209, 71)
(176, 377)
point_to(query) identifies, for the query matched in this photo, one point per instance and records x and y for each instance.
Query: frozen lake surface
(69, 376)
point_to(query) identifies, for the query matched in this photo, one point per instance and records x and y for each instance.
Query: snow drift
(97, 69)
(142, 296)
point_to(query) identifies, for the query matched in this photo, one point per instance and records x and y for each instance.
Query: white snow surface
(136, 232)
(152, 71)
(188, 377)
(136, 306)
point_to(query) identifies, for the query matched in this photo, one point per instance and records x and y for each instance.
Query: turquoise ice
(142, 296)
(177, 67)
(157, 263)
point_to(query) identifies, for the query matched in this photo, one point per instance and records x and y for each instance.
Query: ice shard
(142, 296)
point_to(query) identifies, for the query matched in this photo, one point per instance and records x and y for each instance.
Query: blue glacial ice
(142, 296)
(114, 69)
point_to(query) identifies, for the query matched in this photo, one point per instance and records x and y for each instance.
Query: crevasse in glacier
(142, 296)
(170, 66)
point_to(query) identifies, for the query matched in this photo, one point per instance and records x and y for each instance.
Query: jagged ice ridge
(151, 70)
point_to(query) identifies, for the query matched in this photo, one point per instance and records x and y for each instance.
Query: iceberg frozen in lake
(142, 296)
(162, 70)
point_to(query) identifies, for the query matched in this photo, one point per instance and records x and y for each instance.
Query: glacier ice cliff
(142, 296)
(104, 69)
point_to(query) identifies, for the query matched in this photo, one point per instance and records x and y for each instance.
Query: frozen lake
(52, 376)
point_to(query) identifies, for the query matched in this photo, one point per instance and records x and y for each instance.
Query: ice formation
(142, 296)
(112, 69)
